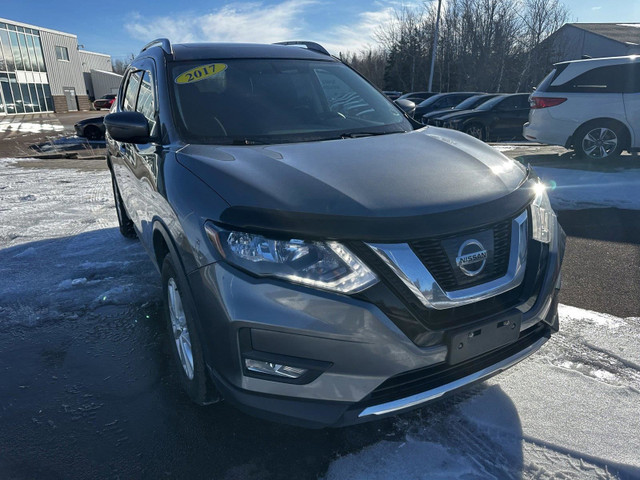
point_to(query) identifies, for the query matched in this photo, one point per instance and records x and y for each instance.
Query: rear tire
(186, 349)
(599, 141)
(124, 222)
(476, 130)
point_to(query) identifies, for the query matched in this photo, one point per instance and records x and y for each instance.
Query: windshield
(489, 104)
(249, 101)
(431, 100)
(471, 102)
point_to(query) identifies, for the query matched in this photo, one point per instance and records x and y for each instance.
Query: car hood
(395, 176)
(437, 113)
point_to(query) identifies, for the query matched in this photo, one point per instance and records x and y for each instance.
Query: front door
(632, 102)
(70, 95)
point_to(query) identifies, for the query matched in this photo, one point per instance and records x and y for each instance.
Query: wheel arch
(600, 121)
(163, 244)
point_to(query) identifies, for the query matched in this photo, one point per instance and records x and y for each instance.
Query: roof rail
(164, 43)
(316, 47)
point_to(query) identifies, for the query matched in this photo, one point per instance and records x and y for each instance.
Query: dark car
(440, 102)
(90, 128)
(500, 118)
(468, 104)
(392, 94)
(417, 97)
(105, 101)
(324, 259)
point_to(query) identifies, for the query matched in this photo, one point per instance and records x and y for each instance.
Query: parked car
(90, 128)
(104, 102)
(468, 104)
(320, 265)
(441, 101)
(592, 106)
(417, 97)
(392, 94)
(500, 118)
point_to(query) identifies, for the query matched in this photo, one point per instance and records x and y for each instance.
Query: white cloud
(261, 23)
(237, 22)
(357, 36)
(596, 8)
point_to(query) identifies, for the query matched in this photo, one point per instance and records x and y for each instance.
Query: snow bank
(61, 252)
(569, 411)
(579, 189)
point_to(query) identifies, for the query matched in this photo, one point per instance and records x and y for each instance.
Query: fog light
(276, 369)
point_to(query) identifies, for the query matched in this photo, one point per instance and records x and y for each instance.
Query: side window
(634, 78)
(509, 103)
(609, 79)
(523, 102)
(146, 102)
(131, 92)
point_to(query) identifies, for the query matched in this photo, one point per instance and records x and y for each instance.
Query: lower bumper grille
(417, 381)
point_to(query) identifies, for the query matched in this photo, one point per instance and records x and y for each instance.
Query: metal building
(42, 70)
(572, 41)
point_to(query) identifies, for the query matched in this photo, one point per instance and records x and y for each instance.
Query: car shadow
(86, 368)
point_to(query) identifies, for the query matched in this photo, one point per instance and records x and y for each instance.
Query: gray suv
(325, 260)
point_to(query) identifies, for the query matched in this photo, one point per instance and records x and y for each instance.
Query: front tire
(476, 130)
(599, 141)
(186, 349)
(92, 133)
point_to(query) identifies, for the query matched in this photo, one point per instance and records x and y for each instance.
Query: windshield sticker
(200, 73)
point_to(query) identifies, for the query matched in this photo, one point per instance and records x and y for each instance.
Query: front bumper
(373, 365)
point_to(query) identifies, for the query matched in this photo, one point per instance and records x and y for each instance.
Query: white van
(592, 106)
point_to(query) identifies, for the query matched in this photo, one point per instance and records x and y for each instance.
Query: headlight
(324, 265)
(543, 218)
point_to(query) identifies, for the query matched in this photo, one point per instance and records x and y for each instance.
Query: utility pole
(435, 46)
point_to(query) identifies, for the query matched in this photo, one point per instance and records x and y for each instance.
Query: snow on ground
(569, 411)
(572, 189)
(61, 254)
(29, 127)
(577, 189)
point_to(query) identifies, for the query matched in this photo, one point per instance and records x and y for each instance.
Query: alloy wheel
(474, 131)
(179, 326)
(600, 142)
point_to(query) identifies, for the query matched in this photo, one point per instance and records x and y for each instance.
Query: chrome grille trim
(407, 266)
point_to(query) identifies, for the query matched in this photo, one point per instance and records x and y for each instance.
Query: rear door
(632, 103)
(510, 115)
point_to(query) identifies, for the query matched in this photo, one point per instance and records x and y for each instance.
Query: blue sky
(119, 27)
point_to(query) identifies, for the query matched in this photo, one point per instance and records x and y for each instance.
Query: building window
(62, 53)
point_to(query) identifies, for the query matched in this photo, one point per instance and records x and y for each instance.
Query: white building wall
(62, 73)
(105, 82)
(94, 61)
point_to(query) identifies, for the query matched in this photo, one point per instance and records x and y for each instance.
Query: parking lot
(88, 389)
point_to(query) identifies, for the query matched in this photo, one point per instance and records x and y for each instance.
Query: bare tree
(484, 45)
(120, 64)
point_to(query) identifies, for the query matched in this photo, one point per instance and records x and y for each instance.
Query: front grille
(439, 256)
(424, 379)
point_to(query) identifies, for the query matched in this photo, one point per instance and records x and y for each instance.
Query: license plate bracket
(473, 341)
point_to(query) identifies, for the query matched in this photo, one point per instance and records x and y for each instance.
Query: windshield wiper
(366, 134)
(246, 141)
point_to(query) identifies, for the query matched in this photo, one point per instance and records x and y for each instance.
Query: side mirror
(128, 127)
(406, 105)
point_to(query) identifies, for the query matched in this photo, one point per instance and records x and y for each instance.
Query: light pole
(435, 46)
